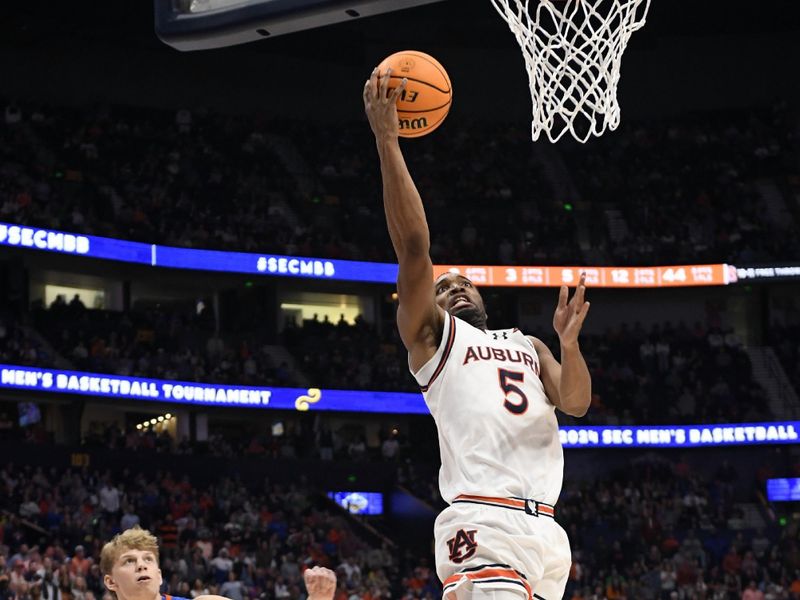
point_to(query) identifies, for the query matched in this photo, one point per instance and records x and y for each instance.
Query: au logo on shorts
(462, 546)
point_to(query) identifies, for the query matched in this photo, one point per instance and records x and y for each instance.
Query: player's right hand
(380, 104)
(320, 583)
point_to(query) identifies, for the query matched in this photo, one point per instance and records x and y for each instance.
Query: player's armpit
(419, 319)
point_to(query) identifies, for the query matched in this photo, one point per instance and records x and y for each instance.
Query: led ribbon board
(60, 242)
(209, 394)
(189, 258)
(783, 490)
(603, 277)
(156, 255)
(778, 272)
(681, 436)
(206, 394)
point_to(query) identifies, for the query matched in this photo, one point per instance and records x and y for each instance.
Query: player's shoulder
(541, 348)
(532, 340)
(517, 333)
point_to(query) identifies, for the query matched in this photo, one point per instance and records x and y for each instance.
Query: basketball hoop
(573, 52)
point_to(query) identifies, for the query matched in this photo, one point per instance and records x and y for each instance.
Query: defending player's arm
(567, 384)
(419, 319)
(320, 583)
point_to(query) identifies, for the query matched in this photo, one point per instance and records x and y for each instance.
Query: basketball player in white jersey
(493, 395)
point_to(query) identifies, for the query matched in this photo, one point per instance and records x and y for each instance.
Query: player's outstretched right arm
(419, 319)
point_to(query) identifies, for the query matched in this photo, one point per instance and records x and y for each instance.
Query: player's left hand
(569, 316)
(320, 583)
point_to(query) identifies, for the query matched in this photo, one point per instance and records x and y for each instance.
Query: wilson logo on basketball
(462, 546)
(418, 123)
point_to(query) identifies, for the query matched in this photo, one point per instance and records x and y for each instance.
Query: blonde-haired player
(129, 563)
(493, 395)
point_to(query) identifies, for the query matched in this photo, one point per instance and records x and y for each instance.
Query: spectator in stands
(79, 564)
(109, 499)
(673, 204)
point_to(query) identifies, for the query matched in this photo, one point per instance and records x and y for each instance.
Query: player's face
(135, 576)
(457, 295)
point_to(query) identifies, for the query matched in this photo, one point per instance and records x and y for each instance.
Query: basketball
(428, 94)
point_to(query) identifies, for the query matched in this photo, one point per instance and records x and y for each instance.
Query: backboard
(205, 24)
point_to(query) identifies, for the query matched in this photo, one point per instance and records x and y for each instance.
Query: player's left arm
(211, 597)
(568, 384)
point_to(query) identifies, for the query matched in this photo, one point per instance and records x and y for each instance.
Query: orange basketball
(428, 94)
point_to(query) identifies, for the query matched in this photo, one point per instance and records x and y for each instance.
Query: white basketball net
(573, 51)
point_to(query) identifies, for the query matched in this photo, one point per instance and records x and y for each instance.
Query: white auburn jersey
(498, 433)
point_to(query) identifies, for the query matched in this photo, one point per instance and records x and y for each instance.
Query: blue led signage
(210, 394)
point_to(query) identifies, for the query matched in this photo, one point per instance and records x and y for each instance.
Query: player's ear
(109, 582)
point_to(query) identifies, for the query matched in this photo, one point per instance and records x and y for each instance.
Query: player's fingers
(584, 311)
(373, 82)
(579, 295)
(384, 92)
(582, 285)
(312, 583)
(562, 296)
(366, 92)
(398, 91)
(319, 575)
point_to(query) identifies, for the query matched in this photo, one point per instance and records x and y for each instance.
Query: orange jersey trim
(509, 502)
(490, 574)
(512, 503)
(445, 355)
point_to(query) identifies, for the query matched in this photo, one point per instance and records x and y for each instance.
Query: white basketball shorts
(501, 544)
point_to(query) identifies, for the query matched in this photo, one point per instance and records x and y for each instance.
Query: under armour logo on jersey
(497, 335)
(462, 546)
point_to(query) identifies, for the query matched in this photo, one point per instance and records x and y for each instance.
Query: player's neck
(477, 321)
(479, 324)
(156, 596)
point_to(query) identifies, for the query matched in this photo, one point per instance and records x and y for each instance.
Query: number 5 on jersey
(510, 389)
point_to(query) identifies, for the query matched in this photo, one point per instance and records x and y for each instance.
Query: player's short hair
(134, 538)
